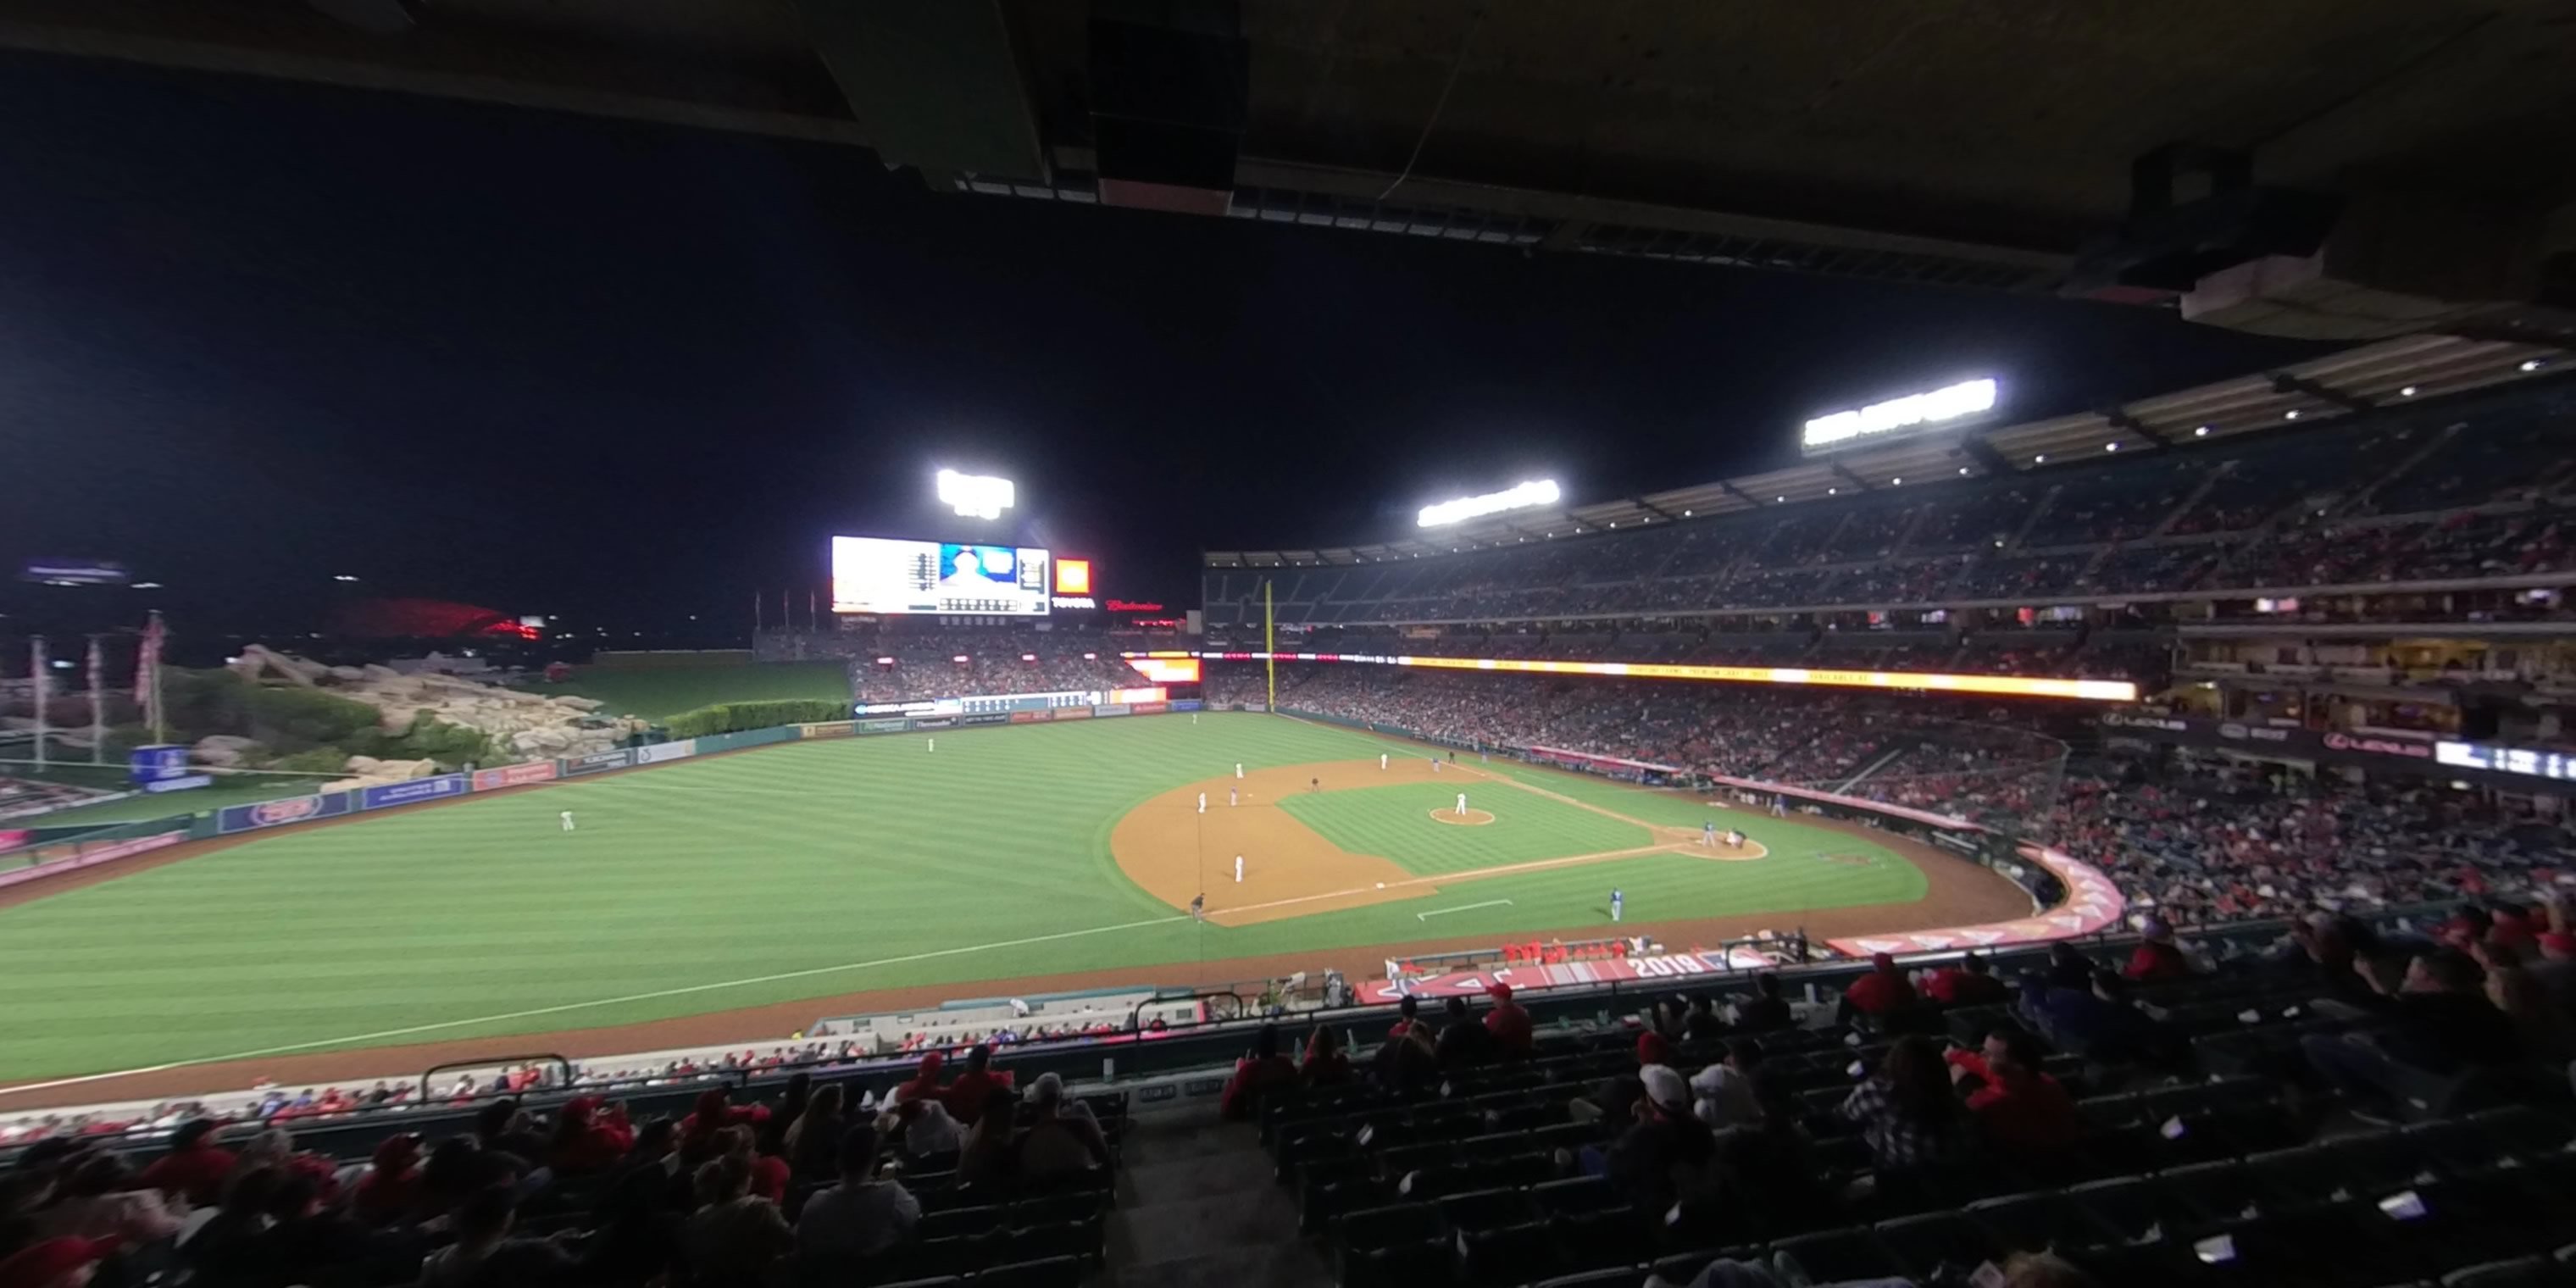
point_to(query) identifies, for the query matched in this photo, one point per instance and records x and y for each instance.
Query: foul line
(562, 1008)
(1464, 907)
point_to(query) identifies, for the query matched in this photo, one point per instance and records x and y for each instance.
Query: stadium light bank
(976, 496)
(1539, 492)
(1938, 406)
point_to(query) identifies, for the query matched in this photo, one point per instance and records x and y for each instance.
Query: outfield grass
(654, 693)
(1396, 822)
(803, 870)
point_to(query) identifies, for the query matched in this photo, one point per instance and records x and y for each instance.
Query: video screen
(887, 576)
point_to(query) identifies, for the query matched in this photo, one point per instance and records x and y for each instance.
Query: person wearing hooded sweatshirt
(391, 1189)
(587, 1140)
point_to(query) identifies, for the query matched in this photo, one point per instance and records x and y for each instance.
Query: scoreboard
(886, 576)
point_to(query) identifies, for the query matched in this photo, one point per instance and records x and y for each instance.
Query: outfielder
(567, 820)
(934, 744)
(1238, 769)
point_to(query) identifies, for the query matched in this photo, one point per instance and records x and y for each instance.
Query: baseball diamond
(1014, 859)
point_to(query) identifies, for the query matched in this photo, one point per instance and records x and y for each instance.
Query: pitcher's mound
(1472, 818)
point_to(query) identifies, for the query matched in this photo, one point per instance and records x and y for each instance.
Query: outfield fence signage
(294, 809)
(1187, 704)
(884, 726)
(415, 789)
(1149, 708)
(597, 761)
(829, 729)
(184, 782)
(1072, 713)
(987, 718)
(1031, 717)
(1110, 709)
(535, 771)
(661, 752)
(91, 856)
(936, 722)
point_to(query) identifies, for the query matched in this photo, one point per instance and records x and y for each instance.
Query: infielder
(1617, 903)
(1232, 798)
(567, 820)
(1238, 869)
(1198, 906)
(1462, 804)
(1238, 769)
(1381, 761)
(1203, 802)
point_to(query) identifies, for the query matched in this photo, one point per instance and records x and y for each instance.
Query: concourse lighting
(2532, 364)
(1537, 492)
(2202, 432)
(2112, 446)
(2407, 392)
(2041, 459)
(2291, 414)
(342, 576)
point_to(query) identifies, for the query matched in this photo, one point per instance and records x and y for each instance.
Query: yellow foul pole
(1269, 665)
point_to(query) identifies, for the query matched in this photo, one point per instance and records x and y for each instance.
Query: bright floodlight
(1540, 492)
(975, 496)
(1966, 398)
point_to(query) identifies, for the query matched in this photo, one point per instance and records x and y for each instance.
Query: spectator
(1509, 1023)
(2097, 1021)
(586, 1140)
(1464, 1043)
(507, 1126)
(925, 1082)
(1407, 1061)
(1702, 1025)
(811, 1140)
(2439, 1024)
(2555, 972)
(103, 1199)
(1905, 1110)
(1615, 1100)
(2544, 1029)
(2021, 1110)
(2157, 957)
(391, 1190)
(1724, 1094)
(1969, 982)
(1324, 1065)
(1882, 993)
(482, 1226)
(1663, 1148)
(735, 1235)
(769, 1173)
(1255, 1074)
(1767, 1012)
(1408, 1012)
(988, 1158)
(54, 1263)
(713, 1114)
(1061, 1140)
(196, 1167)
(928, 1131)
(859, 1218)
(966, 1096)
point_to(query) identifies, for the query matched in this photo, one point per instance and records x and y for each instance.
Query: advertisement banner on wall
(831, 729)
(535, 771)
(413, 789)
(294, 809)
(2366, 750)
(662, 751)
(597, 761)
(184, 782)
(1110, 709)
(989, 718)
(90, 857)
(1149, 708)
(1030, 717)
(1073, 713)
(1188, 704)
(151, 764)
(883, 726)
(921, 707)
(1255, 706)
(936, 722)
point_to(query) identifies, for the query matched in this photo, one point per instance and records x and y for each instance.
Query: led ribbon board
(2018, 686)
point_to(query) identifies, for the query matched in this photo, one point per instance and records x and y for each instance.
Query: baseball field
(740, 896)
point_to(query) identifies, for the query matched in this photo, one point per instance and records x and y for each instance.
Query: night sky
(253, 334)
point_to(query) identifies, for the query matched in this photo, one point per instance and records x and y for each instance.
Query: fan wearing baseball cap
(1665, 1136)
(55, 1263)
(1508, 1022)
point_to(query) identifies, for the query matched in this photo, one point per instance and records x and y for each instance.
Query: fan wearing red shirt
(1255, 1074)
(967, 1096)
(1508, 1022)
(923, 1083)
(1971, 982)
(714, 1113)
(195, 1167)
(1883, 990)
(2158, 957)
(586, 1140)
(2021, 1110)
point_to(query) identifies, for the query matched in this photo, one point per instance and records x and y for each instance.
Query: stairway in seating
(1199, 1205)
